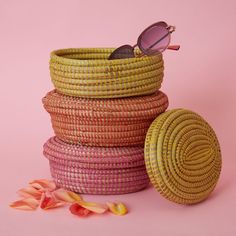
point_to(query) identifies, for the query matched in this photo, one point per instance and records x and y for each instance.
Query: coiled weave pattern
(96, 170)
(103, 122)
(86, 72)
(182, 156)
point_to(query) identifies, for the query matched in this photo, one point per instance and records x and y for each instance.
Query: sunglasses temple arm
(173, 47)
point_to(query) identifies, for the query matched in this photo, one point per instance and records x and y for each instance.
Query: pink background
(201, 77)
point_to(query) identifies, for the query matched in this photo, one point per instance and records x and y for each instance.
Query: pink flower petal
(117, 208)
(30, 192)
(25, 204)
(66, 196)
(43, 184)
(78, 210)
(49, 201)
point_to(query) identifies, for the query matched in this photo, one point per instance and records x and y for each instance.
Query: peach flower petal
(30, 192)
(94, 207)
(25, 204)
(66, 196)
(75, 196)
(43, 184)
(117, 208)
(71, 197)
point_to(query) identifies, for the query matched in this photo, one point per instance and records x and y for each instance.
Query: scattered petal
(66, 196)
(43, 184)
(71, 197)
(44, 192)
(25, 204)
(117, 208)
(94, 207)
(78, 210)
(75, 196)
(30, 192)
(49, 201)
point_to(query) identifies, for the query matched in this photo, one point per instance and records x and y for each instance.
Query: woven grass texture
(103, 122)
(182, 156)
(96, 170)
(86, 72)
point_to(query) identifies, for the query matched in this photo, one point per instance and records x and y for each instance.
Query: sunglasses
(153, 40)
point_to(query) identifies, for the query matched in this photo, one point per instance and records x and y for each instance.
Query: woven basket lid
(121, 109)
(93, 157)
(182, 156)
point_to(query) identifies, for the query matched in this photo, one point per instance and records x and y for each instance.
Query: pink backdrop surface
(200, 77)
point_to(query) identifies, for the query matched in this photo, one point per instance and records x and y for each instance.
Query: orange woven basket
(103, 122)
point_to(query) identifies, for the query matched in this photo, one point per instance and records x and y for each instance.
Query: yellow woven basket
(86, 72)
(182, 156)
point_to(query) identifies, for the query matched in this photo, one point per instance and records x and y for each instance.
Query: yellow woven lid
(182, 156)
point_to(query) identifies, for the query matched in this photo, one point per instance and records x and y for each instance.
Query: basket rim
(58, 56)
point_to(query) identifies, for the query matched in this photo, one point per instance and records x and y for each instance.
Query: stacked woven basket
(104, 111)
(100, 111)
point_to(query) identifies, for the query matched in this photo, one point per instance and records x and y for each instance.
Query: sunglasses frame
(170, 30)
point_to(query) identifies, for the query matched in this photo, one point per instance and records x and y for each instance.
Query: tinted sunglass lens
(155, 39)
(162, 23)
(125, 51)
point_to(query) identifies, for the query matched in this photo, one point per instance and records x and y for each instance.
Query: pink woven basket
(93, 177)
(96, 170)
(103, 122)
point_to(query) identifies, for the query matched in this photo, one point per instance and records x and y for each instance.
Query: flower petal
(75, 196)
(78, 210)
(25, 204)
(43, 184)
(49, 201)
(66, 196)
(94, 207)
(117, 208)
(30, 192)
